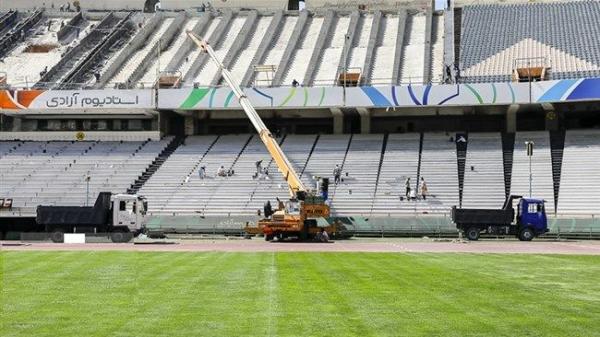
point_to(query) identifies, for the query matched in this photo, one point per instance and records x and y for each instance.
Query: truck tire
(473, 233)
(269, 237)
(117, 237)
(57, 235)
(526, 234)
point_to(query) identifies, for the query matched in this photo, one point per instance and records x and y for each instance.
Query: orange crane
(298, 217)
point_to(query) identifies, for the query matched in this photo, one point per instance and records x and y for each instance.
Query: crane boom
(295, 185)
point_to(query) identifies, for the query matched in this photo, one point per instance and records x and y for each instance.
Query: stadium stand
(580, 181)
(310, 47)
(356, 191)
(484, 184)
(54, 172)
(566, 34)
(369, 189)
(400, 161)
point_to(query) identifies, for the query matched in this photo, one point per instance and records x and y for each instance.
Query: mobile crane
(299, 216)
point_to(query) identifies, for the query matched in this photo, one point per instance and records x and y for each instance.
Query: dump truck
(298, 216)
(120, 216)
(530, 220)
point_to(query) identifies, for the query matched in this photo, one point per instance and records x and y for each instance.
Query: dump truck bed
(97, 215)
(466, 216)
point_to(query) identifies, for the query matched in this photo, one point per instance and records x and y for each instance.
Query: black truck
(119, 215)
(530, 221)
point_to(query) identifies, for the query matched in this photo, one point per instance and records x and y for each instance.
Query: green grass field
(298, 294)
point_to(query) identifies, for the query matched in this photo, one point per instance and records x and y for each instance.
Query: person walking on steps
(258, 165)
(407, 186)
(337, 173)
(423, 189)
(202, 172)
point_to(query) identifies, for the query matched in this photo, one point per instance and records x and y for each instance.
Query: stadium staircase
(508, 148)
(367, 66)
(312, 150)
(457, 34)
(419, 160)
(557, 148)
(294, 43)
(78, 55)
(270, 168)
(461, 159)
(325, 36)
(381, 158)
(266, 40)
(240, 43)
(83, 72)
(7, 42)
(169, 31)
(6, 21)
(156, 164)
(332, 196)
(217, 35)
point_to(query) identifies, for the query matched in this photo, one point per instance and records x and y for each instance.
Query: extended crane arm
(295, 185)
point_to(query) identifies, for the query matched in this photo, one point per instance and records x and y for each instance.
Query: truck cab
(129, 212)
(531, 218)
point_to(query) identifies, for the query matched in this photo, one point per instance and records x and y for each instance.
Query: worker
(221, 171)
(258, 165)
(423, 189)
(413, 195)
(280, 205)
(337, 173)
(202, 172)
(407, 186)
(268, 210)
(323, 236)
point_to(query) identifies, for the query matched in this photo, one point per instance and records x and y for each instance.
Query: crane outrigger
(299, 216)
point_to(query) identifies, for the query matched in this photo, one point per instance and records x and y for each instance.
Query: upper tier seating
(567, 34)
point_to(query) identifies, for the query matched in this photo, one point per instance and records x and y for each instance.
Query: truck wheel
(473, 233)
(117, 237)
(269, 237)
(57, 236)
(526, 234)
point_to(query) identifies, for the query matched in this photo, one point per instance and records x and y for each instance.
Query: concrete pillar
(338, 121)
(365, 120)
(511, 118)
(189, 125)
(17, 124)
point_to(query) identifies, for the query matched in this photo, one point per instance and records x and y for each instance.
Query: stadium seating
(310, 47)
(580, 179)
(567, 34)
(54, 173)
(368, 190)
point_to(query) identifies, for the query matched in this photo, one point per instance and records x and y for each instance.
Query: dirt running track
(356, 245)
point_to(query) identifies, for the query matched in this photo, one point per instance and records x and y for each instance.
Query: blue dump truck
(530, 221)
